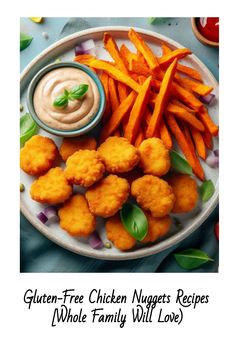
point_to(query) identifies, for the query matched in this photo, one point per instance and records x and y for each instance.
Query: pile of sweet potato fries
(148, 96)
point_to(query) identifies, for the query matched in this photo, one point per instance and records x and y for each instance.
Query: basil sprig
(25, 40)
(179, 164)
(207, 189)
(134, 221)
(192, 258)
(76, 93)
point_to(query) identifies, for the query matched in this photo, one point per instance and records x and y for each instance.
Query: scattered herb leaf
(25, 40)
(61, 100)
(134, 221)
(206, 190)
(191, 258)
(28, 128)
(179, 164)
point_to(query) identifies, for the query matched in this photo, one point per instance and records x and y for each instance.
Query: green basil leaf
(179, 164)
(78, 92)
(60, 101)
(207, 189)
(28, 128)
(192, 258)
(25, 40)
(134, 221)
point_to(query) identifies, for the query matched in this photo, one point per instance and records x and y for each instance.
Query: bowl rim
(199, 35)
(65, 133)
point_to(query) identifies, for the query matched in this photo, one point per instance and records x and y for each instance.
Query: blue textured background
(38, 254)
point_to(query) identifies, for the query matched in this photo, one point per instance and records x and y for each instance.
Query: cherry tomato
(209, 28)
(216, 230)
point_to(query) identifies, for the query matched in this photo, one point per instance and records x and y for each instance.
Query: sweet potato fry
(165, 135)
(199, 143)
(104, 79)
(207, 137)
(185, 128)
(196, 87)
(137, 111)
(194, 74)
(144, 49)
(113, 94)
(182, 142)
(122, 91)
(117, 116)
(127, 55)
(140, 137)
(186, 96)
(188, 117)
(175, 54)
(139, 68)
(113, 50)
(182, 105)
(115, 73)
(208, 122)
(84, 58)
(161, 99)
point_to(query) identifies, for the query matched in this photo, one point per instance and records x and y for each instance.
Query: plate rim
(164, 244)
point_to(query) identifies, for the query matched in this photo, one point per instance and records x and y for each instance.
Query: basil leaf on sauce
(61, 100)
(179, 164)
(206, 190)
(134, 221)
(25, 40)
(192, 258)
(78, 92)
(28, 128)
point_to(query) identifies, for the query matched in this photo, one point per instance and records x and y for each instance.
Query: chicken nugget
(107, 196)
(118, 154)
(154, 157)
(185, 191)
(76, 218)
(154, 194)
(157, 227)
(84, 167)
(37, 155)
(117, 234)
(71, 145)
(51, 188)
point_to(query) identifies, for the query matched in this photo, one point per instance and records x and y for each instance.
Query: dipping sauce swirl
(76, 113)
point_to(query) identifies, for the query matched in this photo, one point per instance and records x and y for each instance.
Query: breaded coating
(118, 154)
(51, 188)
(117, 234)
(107, 196)
(37, 155)
(185, 191)
(154, 157)
(84, 167)
(71, 145)
(157, 227)
(76, 218)
(154, 194)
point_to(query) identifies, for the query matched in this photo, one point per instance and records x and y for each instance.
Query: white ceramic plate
(64, 49)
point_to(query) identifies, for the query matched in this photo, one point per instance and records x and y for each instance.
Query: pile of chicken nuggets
(111, 174)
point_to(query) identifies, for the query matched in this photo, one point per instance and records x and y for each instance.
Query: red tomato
(216, 230)
(209, 28)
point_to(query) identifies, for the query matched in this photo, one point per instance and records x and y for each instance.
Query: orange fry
(175, 54)
(122, 91)
(140, 137)
(161, 99)
(144, 49)
(104, 79)
(115, 73)
(165, 135)
(113, 50)
(196, 87)
(117, 116)
(180, 104)
(139, 68)
(199, 143)
(186, 96)
(84, 58)
(208, 122)
(137, 111)
(182, 142)
(185, 128)
(207, 137)
(113, 94)
(188, 117)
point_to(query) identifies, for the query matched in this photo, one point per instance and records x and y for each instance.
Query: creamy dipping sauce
(78, 112)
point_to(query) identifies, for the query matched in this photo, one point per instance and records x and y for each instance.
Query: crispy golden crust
(51, 188)
(185, 191)
(119, 155)
(117, 234)
(154, 157)
(107, 196)
(157, 227)
(37, 155)
(76, 218)
(84, 167)
(70, 145)
(153, 194)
